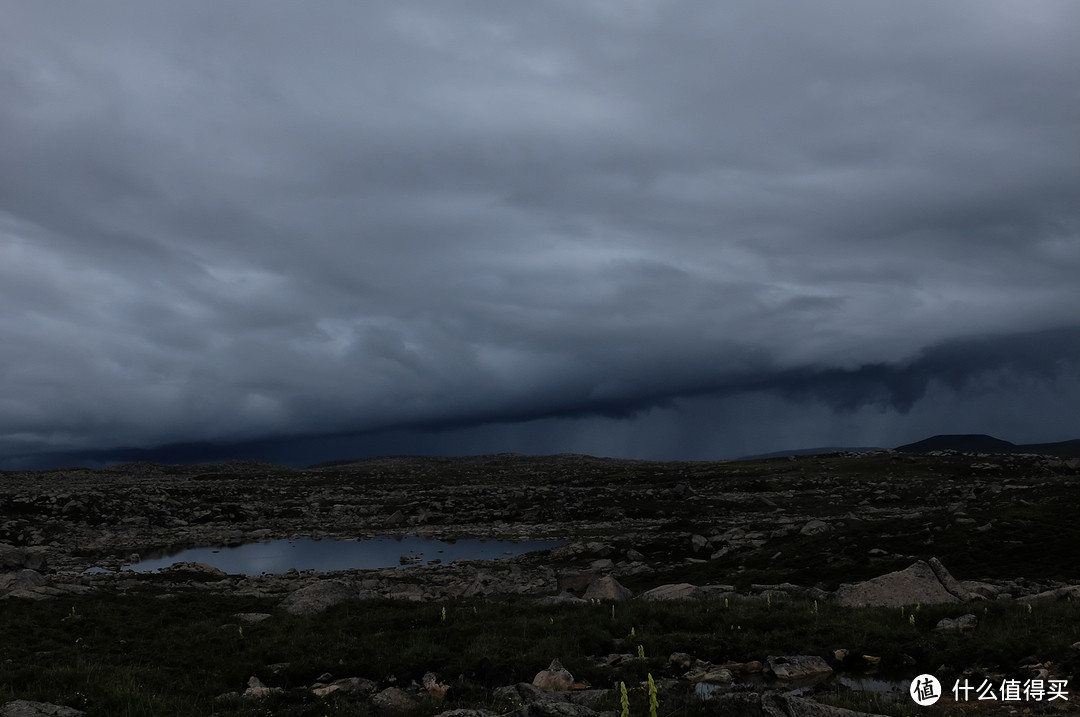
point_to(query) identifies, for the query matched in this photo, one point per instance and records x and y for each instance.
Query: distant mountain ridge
(809, 452)
(982, 443)
(961, 442)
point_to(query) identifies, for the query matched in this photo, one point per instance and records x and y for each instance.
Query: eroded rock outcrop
(917, 584)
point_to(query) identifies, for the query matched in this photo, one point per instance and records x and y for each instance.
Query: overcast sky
(656, 229)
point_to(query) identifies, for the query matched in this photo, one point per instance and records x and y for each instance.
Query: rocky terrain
(873, 528)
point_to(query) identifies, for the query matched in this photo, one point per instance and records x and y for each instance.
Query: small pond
(279, 556)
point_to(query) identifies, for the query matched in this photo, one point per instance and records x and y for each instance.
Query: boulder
(25, 708)
(27, 584)
(522, 693)
(317, 597)
(14, 558)
(950, 583)
(607, 588)
(675, 591)
(577, 580)
(554, 678)
(798, 667)
(195, 571)
(434, 688)
(815, 527)
(393, 699)
(916, 584)
(257, 689)
(701, 671)
(964, 622)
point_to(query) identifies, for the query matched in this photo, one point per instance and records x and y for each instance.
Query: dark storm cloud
(228, 223)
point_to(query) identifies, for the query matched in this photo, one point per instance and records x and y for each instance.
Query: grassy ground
(138, 654)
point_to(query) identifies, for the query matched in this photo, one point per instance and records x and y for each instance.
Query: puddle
(887, 689)
(279, 556)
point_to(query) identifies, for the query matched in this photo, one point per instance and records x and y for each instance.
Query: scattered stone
(256, 689)
(18, 558)
(555, 677)
(607, 588)
(702, 671)
(25, 584)
(433, 687)
(194, 571)
(25, 708)
(798, 667)
(317, 597)
(559, 709)
(677, 591)
(815, 527)
(577, 580)
(950, 583)
(680, 660)
(394, 699)
(964, 622)
(522, 693)
(917, 584)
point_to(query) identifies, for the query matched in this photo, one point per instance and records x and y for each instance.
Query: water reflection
(278, 556)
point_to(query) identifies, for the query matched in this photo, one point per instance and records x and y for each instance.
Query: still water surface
(278, 556)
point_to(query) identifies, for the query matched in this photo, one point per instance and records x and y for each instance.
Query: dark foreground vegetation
(142, 653)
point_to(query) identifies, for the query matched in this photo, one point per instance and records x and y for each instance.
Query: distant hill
(965, 442)
(982, 443)
(809, 452)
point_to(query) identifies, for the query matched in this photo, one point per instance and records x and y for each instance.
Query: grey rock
(17, 558)
(25, 708)
(950, 583)
(815, 527)
(964, 622)
(1068, 591)
(798, 667)
(257, 689)
(317, 597)
(27, 584)
(916, 584)
(521, 693)
(577, 580)
(607, 588)
(393, 699)
(555, 677)
(675, 591)
(198, 569)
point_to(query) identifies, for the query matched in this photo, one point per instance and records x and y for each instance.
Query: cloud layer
(245, 222)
